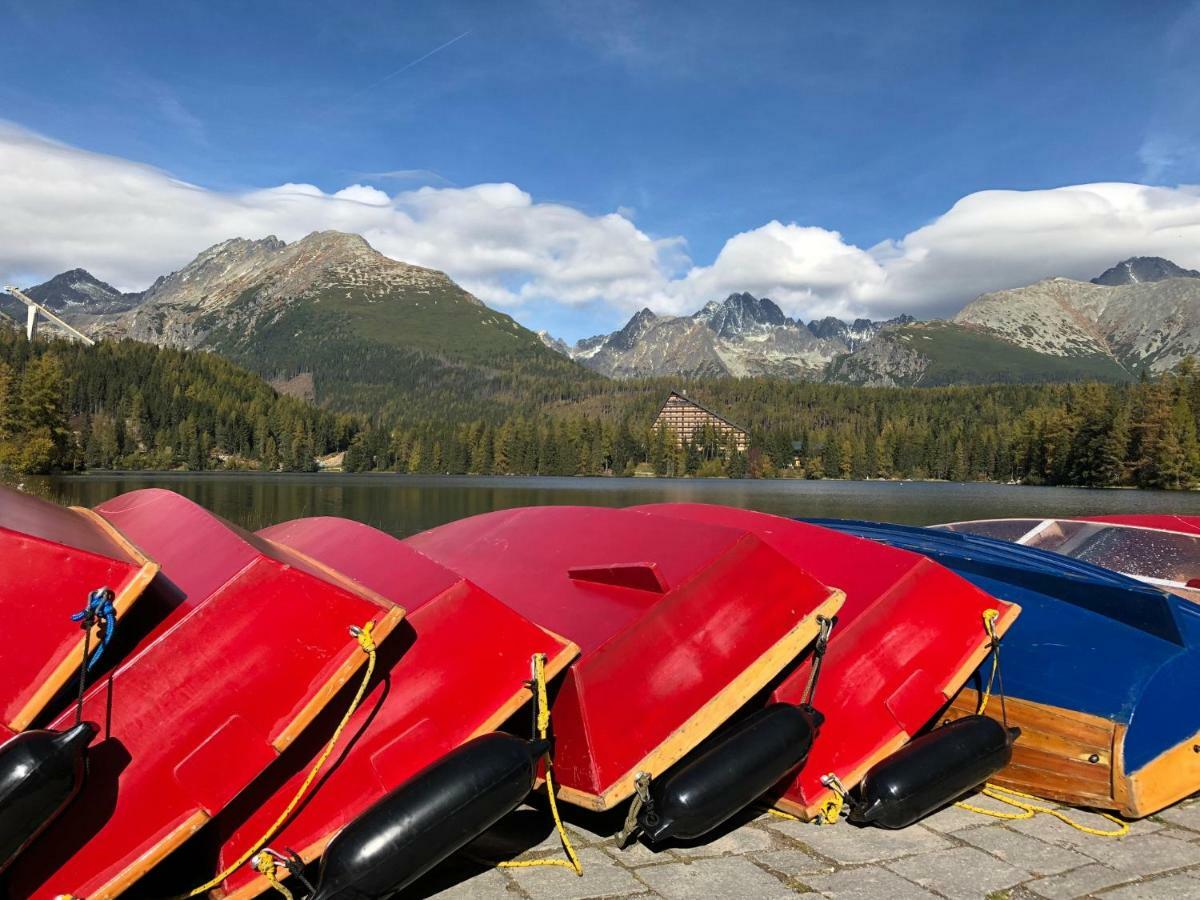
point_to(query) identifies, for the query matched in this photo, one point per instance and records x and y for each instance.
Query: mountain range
(330, 318)
(739, 336)
(326, 317)
(1143, 314)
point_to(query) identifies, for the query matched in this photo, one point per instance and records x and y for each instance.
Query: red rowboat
(457, 668)
(206, 702)
(679, 624)
(908, 636)
(52, 558)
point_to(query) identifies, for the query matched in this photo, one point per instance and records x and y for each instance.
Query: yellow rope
(831, 809)
(265, 863)
(367, 643)
(989, 622)
(543, 728)
(1029, 810)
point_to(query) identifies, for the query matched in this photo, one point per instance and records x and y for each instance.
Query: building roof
(686, 399)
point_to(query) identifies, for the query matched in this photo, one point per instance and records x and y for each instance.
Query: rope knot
(266, 866)
(364, 636)
(989, 622)
(831, 810)
(100, 608)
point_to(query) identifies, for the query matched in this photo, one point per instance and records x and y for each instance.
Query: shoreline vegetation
(129, 406)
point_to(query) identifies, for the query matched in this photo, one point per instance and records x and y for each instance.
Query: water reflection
(404, 505)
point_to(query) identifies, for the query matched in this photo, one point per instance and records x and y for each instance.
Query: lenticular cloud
(62, 207)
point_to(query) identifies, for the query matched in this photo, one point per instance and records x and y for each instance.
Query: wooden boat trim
(813, 809)
(128, 876)
(332, 575)
(69, 664)
(320, 699)
(709, 717)
(519, 698)
(975, 660)
(810, 810)
(1120, 783)
(117, 536)
(132, 873)
(1054, 743)
(1169, 777)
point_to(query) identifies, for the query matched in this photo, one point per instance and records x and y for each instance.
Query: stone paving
(955, 854)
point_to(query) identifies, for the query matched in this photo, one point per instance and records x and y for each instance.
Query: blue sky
(695, 121)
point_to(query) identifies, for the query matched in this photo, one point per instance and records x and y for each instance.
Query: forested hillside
(1091, 434)
(124, 404)
(132, 405)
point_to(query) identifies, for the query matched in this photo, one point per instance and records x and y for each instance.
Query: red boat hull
(908, 636)
(209, 699)
(678, 626)
(457, 668)
(52, 558)
(1185, 524)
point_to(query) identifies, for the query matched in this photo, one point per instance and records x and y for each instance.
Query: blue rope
(99, 606)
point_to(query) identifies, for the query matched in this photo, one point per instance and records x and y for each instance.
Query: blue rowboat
(1100, 672)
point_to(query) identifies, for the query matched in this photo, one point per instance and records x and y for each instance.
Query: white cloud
(987, 241)
(62, 207)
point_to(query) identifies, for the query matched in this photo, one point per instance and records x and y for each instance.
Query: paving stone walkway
(955, 854)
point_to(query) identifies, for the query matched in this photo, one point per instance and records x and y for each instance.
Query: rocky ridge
(239, 284)
(739, 336)
(1149, 325)
(1141, 269)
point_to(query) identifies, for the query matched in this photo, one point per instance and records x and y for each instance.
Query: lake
(404, 504)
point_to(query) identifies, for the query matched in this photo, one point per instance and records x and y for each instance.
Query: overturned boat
(908, 636)
(1099, 672)
(1158, 549)
(679, 623)
(53, 559)
(455, 671)
(252, 646)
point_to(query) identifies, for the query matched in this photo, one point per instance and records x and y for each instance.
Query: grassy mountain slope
(944, 353)
(959, 355)
(435, 354)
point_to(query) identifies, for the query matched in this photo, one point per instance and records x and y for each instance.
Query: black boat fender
(439, 810)
(736, 769)
(933, 770)
(40, 773)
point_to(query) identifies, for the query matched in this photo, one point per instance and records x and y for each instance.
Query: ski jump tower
(33, 309)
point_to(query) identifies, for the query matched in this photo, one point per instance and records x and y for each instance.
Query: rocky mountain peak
(334, 243)
(1143, 269)
(634, 329)
(740, 314)
(558, 345)
(81, 292)
(854, 334)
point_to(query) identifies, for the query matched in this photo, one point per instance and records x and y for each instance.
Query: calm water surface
(404, 505)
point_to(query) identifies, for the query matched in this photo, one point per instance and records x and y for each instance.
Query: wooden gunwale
(714, 713)
(122, 602)
(519, 698)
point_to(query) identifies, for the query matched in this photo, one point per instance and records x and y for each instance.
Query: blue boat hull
(1100, 671)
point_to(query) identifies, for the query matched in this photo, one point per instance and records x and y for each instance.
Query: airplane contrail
(419, 59)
